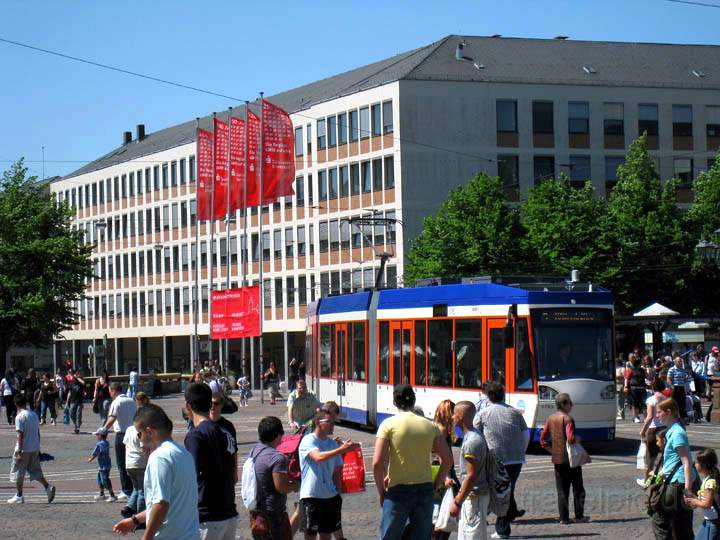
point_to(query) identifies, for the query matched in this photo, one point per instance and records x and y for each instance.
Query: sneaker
(111, 498)
(100, 497)
(583, 519)
(16, 500)
(77, 430)
(640, 482)
(52, 422)
(50, 493)
(636, 420)
(122, 497)
(497, 535)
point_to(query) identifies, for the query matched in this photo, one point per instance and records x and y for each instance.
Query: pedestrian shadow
(620, 520)
(559, 535)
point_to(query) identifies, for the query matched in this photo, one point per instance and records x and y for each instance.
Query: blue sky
(79, 112)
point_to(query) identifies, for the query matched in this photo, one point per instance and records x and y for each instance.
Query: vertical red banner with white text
(251, 170)
(204, 174)
(221, 168)
(277, 153)
(237, 163)
(236, 313)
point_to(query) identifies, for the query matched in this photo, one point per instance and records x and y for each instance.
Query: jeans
(103, 412)
(413, 502)
(502, 524)
(136, 501)
(678, 394)
(10, 409)
(76, 414)
(103, 480)
(44, 406)
(131, 391)
(708, 530)
(125, 483)
(564, 478)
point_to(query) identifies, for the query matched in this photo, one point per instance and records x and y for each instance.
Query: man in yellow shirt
(401, 465)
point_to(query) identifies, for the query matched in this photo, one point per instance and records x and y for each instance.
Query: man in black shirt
(215, 464)
(226, 426)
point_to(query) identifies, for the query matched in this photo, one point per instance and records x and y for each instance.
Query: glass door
(498, 356)
(341, 358)
(401, 336)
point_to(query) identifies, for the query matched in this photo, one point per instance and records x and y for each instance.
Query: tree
(474, 232)
(562, 226)
(43, 262)
(704, 214)
(644, 247)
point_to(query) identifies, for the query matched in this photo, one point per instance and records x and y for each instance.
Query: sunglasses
(216, 403)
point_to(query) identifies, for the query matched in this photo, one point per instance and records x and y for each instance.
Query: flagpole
(226, 358)
(212, 245)
(244, 252)
(196, 310)
(262, 261)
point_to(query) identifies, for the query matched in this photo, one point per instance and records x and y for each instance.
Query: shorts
(29, 462)
(321, 515)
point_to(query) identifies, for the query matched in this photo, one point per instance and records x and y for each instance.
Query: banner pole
(228, 267)
(211, 265)
(196, 310)
(262, 256)
(244, 252)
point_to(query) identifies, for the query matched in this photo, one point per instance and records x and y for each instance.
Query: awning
(656, 310)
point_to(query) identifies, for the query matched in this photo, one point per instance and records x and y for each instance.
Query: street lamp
(708, 250)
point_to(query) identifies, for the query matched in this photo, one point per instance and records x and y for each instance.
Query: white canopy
(656, 310)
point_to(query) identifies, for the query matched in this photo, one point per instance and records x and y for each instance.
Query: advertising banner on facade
(204, 173)
(253, 153)
(236, 313)
(221, 169)
(237, 163)
(278, 153)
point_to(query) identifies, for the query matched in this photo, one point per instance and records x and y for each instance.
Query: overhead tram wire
(695, 3)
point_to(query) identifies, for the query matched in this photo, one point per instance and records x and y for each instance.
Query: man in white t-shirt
(120, 417)
(26, 457)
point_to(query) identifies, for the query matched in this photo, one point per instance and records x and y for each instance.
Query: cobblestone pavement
(614, 501)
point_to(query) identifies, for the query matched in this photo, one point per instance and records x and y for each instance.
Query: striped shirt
(303, 408)
(505, 431)
(678, 376)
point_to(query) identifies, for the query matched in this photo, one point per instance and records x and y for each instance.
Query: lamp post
(709, 250)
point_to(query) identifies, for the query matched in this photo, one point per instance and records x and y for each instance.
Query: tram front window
(573, 343)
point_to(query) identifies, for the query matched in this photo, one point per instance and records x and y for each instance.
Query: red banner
(278, 153)
(204, 173)
(236, 313)
(253, 144)
(221, 168)
(237, 163)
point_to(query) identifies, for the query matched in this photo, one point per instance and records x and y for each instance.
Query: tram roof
(462, 295)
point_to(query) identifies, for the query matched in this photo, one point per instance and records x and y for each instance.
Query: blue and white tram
(445, 340)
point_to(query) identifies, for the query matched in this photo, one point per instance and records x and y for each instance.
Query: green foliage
(474, 232)
(705, 212)
(562, 224)
(43, 262)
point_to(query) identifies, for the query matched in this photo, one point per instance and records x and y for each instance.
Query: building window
(183, 172)
(377, 174)
(611, 167)
(387, 117)
(508, 170)
(298, 141)
(648, 119)
(278, 292)
(302, 290)
(579, 169)
(289, 243)
(300, 191)
(614, 123)
(266, 245)
(332, 131)
(334, 235)
(311, 189)
(323, 230)
(684, 171)
(542, 112)
(356, 234)
(345, 234)
(322, 185)
(389, 172)
(173, 174)
(682, 120)
(390, 215)
(506, 115)
(354, 127)
(364, 122)
(333, 183)
(165, 175)
(344, 181)
(321, 140)
(354, 179)
(290, 286)
(342, 128)
(301, 241)
(712, 129)
(578, 118)
(366, 177)
(543, 168)
(375, 120)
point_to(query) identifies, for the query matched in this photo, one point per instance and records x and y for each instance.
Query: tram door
(341, 345)
(499, 358)
(401, 345)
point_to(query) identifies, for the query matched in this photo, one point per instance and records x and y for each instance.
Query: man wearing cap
(402, 457)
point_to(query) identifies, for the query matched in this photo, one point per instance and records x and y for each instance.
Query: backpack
(248, 486)
(499, 484)
(288, 446)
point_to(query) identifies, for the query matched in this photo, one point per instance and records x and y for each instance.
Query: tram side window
(327, 331)
(523, 363)
(358, 351)
(468, 353)
(384, 352)
(420, 367)
(440, 352)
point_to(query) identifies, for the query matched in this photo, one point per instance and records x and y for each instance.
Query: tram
(538, 339)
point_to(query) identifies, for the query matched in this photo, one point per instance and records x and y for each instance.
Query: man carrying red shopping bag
(321, 466)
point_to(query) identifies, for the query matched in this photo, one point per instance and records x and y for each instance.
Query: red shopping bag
(353, 472)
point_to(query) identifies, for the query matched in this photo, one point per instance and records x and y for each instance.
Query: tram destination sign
(575, 316)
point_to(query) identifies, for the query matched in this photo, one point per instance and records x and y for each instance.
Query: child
(706, 465)
(244, 387)
(102, 453)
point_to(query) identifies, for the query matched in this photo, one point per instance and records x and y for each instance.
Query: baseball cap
(715, 349)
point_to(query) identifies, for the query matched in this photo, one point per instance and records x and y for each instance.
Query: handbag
(96, 407)
(577, 455)
(353, 472)
(658, 495)
(641, 456)
(445, 522)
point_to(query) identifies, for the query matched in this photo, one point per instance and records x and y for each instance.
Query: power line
(694, 3)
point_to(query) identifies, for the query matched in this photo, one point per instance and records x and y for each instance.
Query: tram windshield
(573, 343)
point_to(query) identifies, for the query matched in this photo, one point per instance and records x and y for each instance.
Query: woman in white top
(647, 432)
(8, 387)
(60, 384)
(135, 463)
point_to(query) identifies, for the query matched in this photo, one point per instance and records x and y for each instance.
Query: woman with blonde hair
(443, 420)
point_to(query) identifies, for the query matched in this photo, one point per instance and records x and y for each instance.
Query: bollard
(715, 414)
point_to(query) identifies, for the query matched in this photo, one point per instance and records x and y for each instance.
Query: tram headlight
(545, 393)
(608, 392)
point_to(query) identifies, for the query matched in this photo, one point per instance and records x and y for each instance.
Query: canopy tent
(657, 311)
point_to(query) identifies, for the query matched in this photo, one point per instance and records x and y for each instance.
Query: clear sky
(78, 112)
